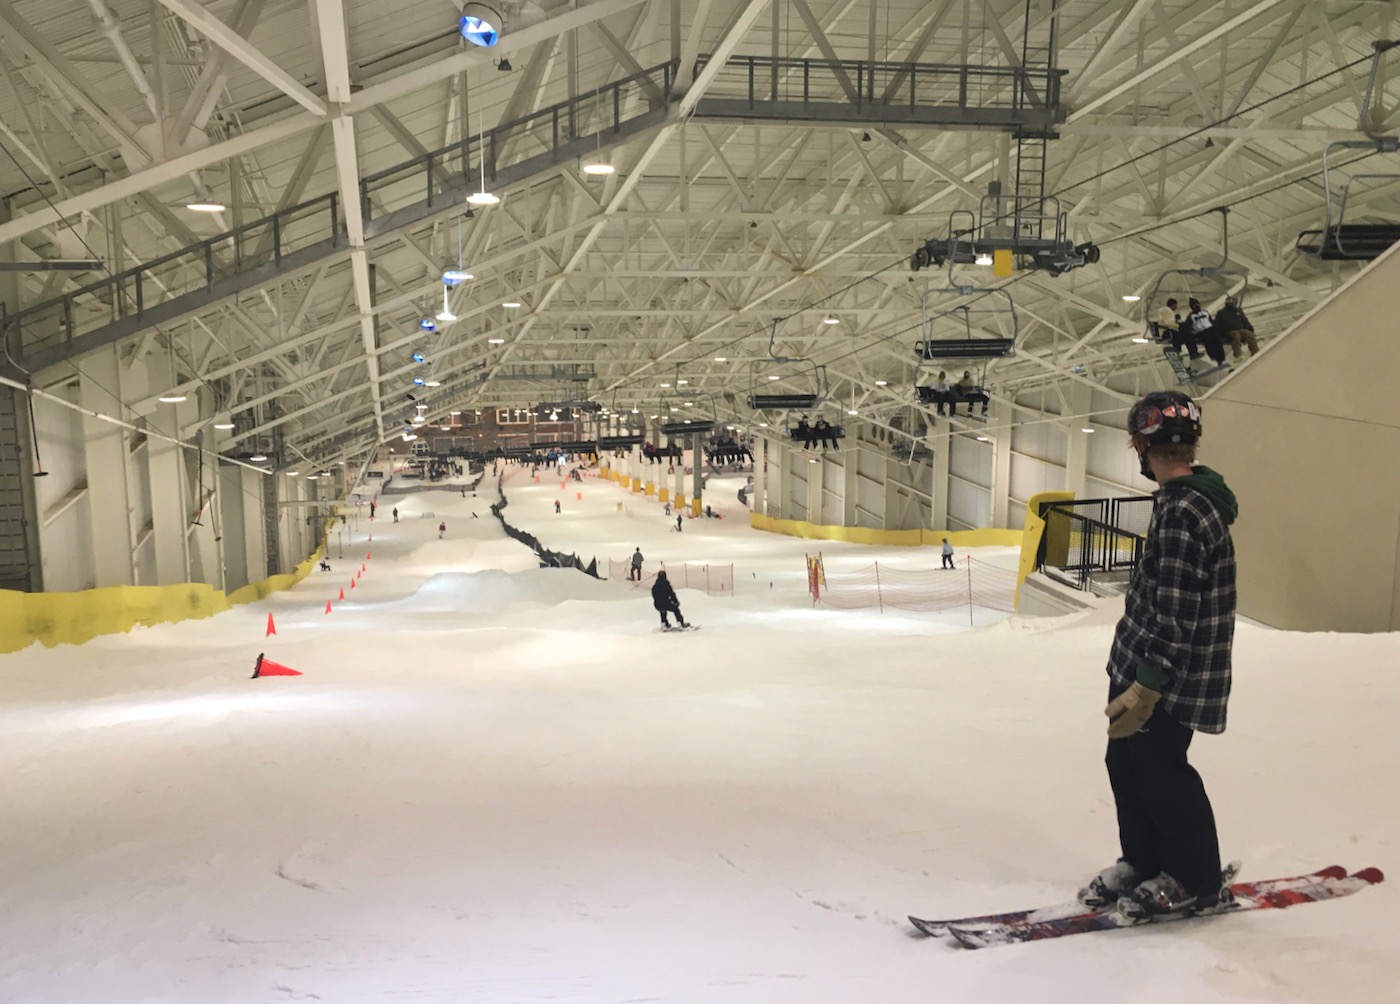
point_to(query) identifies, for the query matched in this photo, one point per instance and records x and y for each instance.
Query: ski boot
(1109, 885)
(1164, 895)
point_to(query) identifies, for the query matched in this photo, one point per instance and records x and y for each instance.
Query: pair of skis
(1017, 926)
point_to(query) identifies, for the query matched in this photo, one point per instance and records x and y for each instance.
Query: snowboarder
(556, 507)
(325, 564)
(663, 597)
(635, 572)
(371, 510)
(678, 522)
(442, 529)
(1169, 673)
(947, 553)
(396, 514)
(667, 509)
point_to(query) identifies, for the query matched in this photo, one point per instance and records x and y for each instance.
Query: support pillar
(637, 467)
(169, 494)
(106, 448)
(938, 486)
(696, 454)
(1079, 401)
(1001, 480)
(850, 485)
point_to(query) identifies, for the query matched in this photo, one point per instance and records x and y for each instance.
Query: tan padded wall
(1308, 436)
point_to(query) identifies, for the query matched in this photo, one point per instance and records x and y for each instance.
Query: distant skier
(325, 564)
(947, 554)
(442, 529)
(678, 522)
(663, 597)
(371, 510)
(1169, 673)
(396, 514)
(635, 572)
(556, 507)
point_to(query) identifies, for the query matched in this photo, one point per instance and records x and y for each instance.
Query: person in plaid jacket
(1169, 672)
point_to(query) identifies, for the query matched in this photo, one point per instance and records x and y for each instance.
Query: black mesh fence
(548, 558)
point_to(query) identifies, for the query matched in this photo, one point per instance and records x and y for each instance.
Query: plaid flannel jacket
(1180, 612)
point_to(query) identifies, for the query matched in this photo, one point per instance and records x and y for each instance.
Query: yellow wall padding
(695, 507)
(886, 538)
(1035, 529)
(73, 618)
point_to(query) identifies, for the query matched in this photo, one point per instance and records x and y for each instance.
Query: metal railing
(1092, 538)
(869, 84)
(171, 286)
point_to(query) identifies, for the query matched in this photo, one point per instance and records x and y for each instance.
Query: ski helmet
(1161, 418)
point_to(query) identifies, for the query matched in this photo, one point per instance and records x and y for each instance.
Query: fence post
(970, 621)
(879, 595)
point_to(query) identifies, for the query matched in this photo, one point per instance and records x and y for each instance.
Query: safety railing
(1094, 538)
(869, 85)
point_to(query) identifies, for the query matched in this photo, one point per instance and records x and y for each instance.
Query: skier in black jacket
(663, 597)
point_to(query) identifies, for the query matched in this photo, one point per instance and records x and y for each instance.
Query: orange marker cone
(371, 538)
(266, 667)
(362, 570)
(342, 590)
(579, 496)
(271, 626)
(328, 606)
(352, 582)
(366, 555)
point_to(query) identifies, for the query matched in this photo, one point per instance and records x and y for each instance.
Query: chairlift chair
(1339, 240)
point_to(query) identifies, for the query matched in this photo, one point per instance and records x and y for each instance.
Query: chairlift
(1339, 240)
(1205, 283)
(969, 346)
(810, 374)
(700, 425)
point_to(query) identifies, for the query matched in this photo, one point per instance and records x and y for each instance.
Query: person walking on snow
(442, 529)
(947, 553)
(1169, 673)
(663, 597)
(556, 507)
(635, 572)
(678, 522)
(396, 514)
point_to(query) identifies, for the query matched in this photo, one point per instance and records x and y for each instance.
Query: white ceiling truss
(714, 236)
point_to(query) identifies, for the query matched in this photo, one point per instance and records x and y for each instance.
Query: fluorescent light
(173, 398)
(445, 428)
(1131, 298)
(1140, 340)
(881, 383)
(1086, 429)
(763, 425)
(496, 341)
(257, 458)
(981, 439)
(598, 167)
(205, 207)
(686, 405)
(721, 359)
(510, 304)
(682, 383)
(665, 385)
(432, 383)
(223, 425)
(454, 413)
(774, 377)
(831, 319)
(852, 411)
(292, 474)
(312, 477)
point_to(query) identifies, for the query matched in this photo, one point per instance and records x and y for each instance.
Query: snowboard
(1275, 894)
(675, 629)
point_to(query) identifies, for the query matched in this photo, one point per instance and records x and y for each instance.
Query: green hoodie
(1212, 486)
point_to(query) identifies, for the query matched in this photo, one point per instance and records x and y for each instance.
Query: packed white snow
(495, 782)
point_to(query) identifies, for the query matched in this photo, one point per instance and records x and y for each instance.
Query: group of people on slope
(822, 432)
(1197, 328)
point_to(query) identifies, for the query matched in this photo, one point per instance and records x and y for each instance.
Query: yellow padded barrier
(986, 537)
(650, 488)
(73, 618)
(695, 507)
(1035, 529)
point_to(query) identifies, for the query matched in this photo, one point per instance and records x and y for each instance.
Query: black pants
(635, 573)
(1215, 347)
(948, 561)
(1165, 822)
(1181, 337)
(672, 610)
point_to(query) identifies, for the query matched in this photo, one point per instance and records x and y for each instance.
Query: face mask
(1145, 467)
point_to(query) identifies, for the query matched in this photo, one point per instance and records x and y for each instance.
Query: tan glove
(1130, 710)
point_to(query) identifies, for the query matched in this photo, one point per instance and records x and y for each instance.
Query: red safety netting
(717, 580)
(971, 584)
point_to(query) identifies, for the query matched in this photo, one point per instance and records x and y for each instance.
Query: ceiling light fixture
(432, 383)
(721, 359)
(446, 314)
(292, 474)
(598, 168)
(257, 458)
(510, 304)
(455, 276)
(983, 258)
(881, 383)
(173, 398)
(852, 411)
(223, 420)
(831, 319)
(1131, 298)
(496, 341)
(427, 325)
(981, 439)
(1139, 339)
(480, 24)
(1086, 429)
(483, 197)
(205, 207)
(774, 377)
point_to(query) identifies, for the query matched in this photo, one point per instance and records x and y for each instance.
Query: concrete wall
(1308, 436)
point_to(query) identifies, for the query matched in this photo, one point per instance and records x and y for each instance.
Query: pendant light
(483, 197)
(446, 314)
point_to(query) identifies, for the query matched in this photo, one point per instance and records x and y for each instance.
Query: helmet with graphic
(1165, 416)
